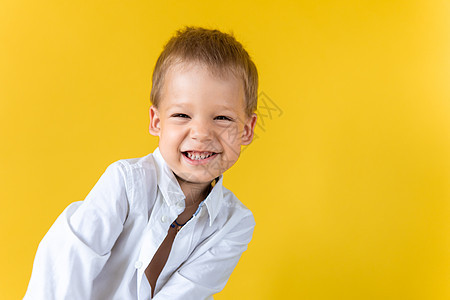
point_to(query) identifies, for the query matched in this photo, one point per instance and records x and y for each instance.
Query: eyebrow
(232, 108)
(177, 106)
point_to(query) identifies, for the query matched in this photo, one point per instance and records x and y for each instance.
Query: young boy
(163, 226)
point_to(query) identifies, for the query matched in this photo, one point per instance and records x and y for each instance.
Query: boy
(163, 226)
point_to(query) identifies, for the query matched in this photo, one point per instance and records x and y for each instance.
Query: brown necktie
(160, 258)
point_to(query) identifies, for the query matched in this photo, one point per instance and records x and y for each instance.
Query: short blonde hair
(219, 51)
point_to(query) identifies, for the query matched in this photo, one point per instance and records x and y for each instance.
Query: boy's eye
(180, 116)
(223, 118)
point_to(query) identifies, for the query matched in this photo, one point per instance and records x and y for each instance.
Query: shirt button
(180, 204)
(164, 219)
(138, 264)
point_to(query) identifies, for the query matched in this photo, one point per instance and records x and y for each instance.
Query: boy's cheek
(231, 135)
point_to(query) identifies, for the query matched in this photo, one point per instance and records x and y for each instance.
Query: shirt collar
(172, 193)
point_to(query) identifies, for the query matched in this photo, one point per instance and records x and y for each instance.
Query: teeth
(199, 155)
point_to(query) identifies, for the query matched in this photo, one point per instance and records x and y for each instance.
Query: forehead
(190, 83)
(201, 70)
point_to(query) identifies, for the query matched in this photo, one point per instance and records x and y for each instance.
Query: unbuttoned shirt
(99, 248)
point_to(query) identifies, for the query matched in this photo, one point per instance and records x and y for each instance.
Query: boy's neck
(194, 192)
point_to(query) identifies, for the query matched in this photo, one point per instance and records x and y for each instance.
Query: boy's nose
(201, 131)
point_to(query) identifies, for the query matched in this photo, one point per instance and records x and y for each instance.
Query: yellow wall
(350, 185)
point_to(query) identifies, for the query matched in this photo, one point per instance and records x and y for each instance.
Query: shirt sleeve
(78, 244)
(208, 271)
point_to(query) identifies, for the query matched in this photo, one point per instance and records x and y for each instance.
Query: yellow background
(350, 186)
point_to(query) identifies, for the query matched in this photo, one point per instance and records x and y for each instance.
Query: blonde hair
(220, 52)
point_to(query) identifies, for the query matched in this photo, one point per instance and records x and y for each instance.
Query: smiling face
(201, 122)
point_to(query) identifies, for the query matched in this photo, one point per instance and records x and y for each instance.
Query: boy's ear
(249, 130)
(155, 121)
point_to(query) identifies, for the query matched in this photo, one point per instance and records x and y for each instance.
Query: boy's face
(201, 122)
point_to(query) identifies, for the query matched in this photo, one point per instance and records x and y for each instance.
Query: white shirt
(99, 248)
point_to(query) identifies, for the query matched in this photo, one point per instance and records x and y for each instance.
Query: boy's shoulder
(144, 162)
(137, 176)
(135, 169)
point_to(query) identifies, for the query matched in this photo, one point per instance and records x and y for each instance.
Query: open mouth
(199, 155)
